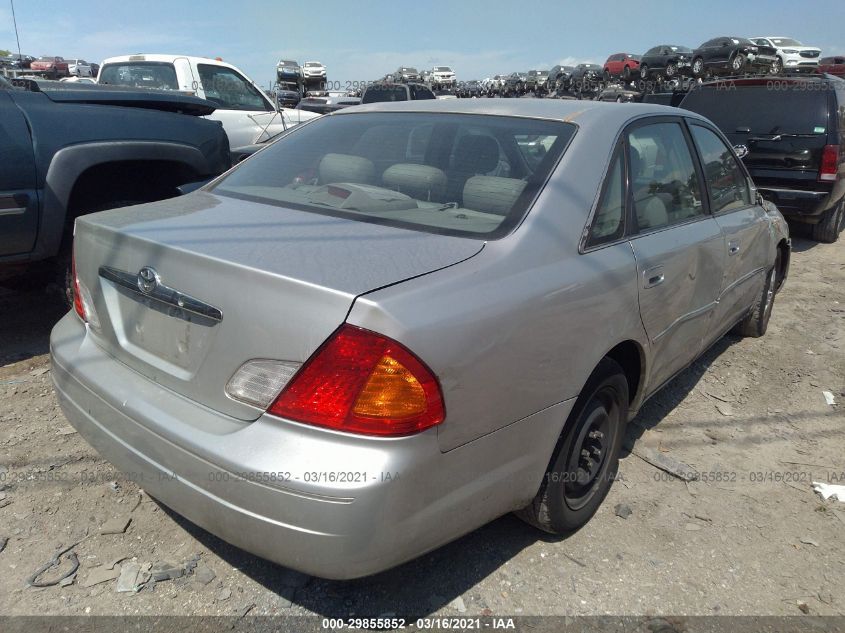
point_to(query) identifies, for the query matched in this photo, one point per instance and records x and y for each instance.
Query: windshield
(159, 75)
(680, 49)
(795, 110)
(313, 64)
(785, 41)
(458, 174)
(442, 69)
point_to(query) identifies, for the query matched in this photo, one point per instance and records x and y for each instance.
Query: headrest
(418, 181)
(477, 154)
(492, 194)
(346, 168)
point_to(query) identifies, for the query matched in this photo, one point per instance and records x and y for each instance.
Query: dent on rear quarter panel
(520, 326)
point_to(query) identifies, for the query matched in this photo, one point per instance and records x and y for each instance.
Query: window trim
(752, 189)
(619, 150)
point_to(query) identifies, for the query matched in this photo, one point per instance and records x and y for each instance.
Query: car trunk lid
(255, 281)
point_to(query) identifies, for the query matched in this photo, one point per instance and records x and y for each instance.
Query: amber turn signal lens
(391, 392)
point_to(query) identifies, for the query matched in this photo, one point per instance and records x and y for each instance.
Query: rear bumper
(324, 503)
(797, 202)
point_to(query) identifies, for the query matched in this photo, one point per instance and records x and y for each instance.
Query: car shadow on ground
(664, 401)
(801, 238)
(27, 314)
(425, 585)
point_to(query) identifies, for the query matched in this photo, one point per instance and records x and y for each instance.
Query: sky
(360, 40)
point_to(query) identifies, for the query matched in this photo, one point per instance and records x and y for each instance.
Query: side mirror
(758, 199)
(741, 151)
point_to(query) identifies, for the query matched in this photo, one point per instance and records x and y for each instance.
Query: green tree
(4, 52)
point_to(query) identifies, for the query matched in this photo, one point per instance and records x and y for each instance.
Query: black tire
(777, 66)
(643, 72)
(671, 70)
(757, 322)
(570, 495)
(626, 73)
(698, 67)
(831, 223)
(606, 75)
(738, 63)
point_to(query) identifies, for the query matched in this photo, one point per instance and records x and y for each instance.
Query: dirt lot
(750, 537)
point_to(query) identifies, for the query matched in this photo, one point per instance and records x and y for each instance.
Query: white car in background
(247, 113)
(78, 68)
(78, 80)
(791, 54)
(442, 77)
(314, 72)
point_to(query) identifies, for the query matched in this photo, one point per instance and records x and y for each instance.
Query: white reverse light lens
(258, 382)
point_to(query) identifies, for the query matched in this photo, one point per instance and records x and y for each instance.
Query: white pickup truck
(248, 115)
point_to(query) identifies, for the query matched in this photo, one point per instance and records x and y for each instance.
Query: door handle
(733, 247)
(653, 277)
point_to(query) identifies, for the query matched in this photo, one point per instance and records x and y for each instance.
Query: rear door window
(726, 182)
(664, 182)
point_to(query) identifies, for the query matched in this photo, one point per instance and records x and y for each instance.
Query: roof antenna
(17, 37)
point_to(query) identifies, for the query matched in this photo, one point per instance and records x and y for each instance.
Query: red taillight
(77, 295)
(830, 163)
(362, 382)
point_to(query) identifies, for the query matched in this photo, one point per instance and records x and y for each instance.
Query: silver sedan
(401, 321)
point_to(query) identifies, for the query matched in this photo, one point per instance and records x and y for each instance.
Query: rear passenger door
(678, 246)
(743, 223)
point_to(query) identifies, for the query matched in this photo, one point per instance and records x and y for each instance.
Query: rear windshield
(380, 93)
(159, 75)
(455, 174)
(777, 107)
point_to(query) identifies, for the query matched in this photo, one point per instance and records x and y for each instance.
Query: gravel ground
(750, 537)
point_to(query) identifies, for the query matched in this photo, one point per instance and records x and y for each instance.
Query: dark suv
(666, 61)
(790, 132)
(733, 56)
(385, 91)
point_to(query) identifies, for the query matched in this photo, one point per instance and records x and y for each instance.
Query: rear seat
(422, 182)
(492, 194)
(346, 168)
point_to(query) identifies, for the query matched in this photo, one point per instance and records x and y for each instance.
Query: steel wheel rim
(588, 457)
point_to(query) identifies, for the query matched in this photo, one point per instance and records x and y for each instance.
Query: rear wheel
(586, 456)
(698, 67)
(738, 63)
(606, 75)
(671, 69)
(643, 72)
(626, 73)
(831, 223)
(757, 322)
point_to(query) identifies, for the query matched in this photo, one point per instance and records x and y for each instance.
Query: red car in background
(622, 65)
(52, 67)
(832, 66)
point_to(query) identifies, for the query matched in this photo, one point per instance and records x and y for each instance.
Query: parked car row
(51, 67)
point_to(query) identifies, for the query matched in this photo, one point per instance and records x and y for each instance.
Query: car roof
(167, 58)
(585, 113)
